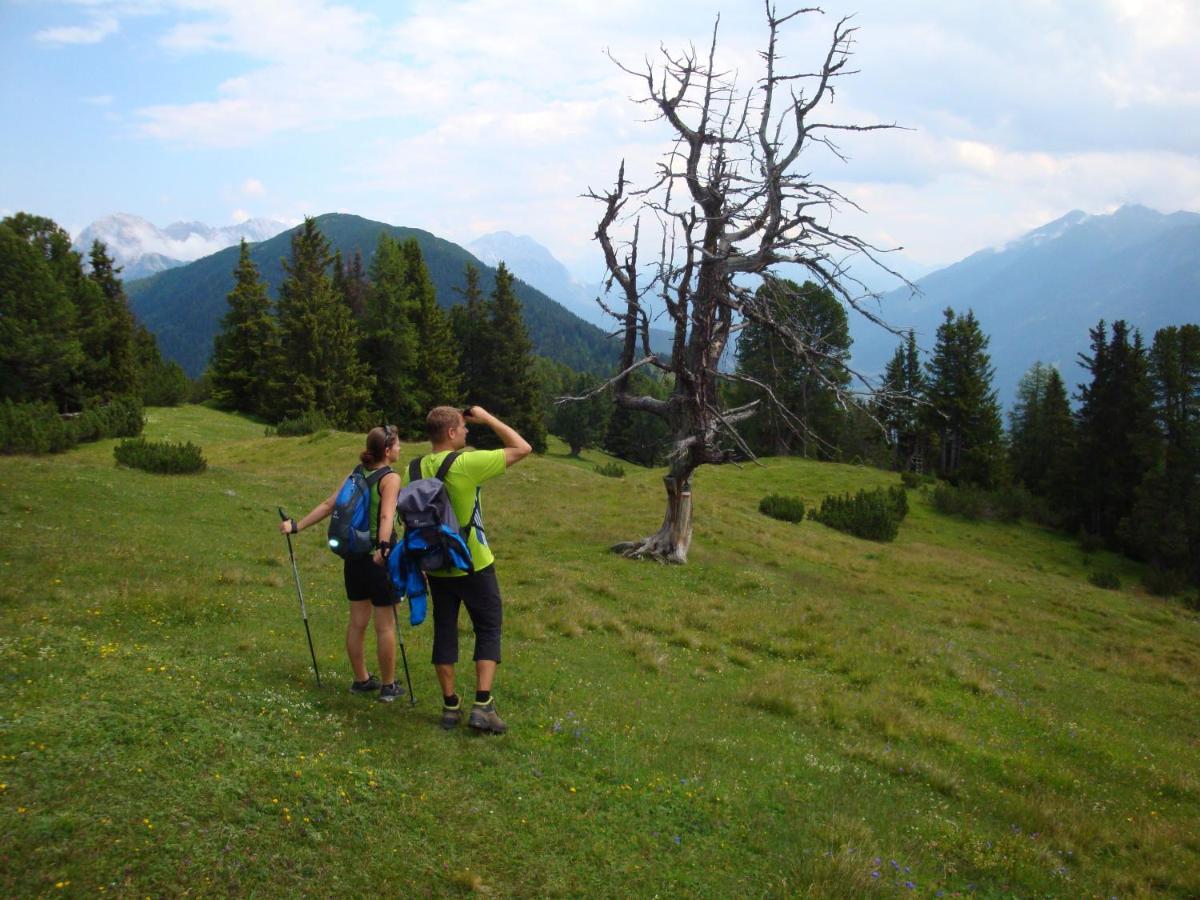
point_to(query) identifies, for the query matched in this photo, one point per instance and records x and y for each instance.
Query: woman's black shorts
(367, 581)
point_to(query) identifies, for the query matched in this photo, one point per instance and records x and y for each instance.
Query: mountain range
(183, 306)
(1037, 296)
(141, 248)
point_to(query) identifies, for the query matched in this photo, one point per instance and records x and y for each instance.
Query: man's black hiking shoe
(484, 718)
(370, 686)
(451, 716)
(389, 692)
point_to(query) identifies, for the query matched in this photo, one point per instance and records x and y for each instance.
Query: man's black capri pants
(479, 592)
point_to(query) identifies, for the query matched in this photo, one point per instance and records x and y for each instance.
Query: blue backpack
(350, 524)
(432, 540)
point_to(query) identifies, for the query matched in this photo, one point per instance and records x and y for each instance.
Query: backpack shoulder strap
(446, 464)
(374, 477)
(414, 470)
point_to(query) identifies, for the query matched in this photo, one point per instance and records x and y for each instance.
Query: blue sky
(468, 116)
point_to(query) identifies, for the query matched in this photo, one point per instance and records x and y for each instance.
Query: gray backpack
(433, 538)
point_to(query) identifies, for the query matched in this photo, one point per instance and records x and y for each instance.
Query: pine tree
(581, 423)
(246, 353)
(636, 436)
(1118, 440)
(1164, 526)
(469, 322)
(806, 386)
(40, 352)
(510, 390)
(899, 411)
(160, 383)
(321, 368)
(962, 410)
(1042, 435)
(116, 342)
(389, 346)
(438, 382)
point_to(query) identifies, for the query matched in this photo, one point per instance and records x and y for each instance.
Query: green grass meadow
(794, 713)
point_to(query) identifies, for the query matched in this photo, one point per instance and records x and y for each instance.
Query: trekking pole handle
(282, 514)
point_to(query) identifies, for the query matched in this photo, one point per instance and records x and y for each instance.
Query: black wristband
(295, 527)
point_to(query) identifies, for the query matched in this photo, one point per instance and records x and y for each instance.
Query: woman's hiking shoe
(370, 686)
(389, 692)
(484, 718)
(451, 716)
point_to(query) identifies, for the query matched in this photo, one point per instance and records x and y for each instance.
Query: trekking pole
(300, 594)
(412, 701)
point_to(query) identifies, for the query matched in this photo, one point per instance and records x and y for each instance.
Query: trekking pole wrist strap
(295, 528)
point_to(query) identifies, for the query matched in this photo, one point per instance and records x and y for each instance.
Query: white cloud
(99, 100)
(238, 216)
(252, 187)
(93, 33)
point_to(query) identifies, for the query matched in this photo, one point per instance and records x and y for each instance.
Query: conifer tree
(899, 410)
(389, 345)
(469, 321)
(40, 353)
(246, 353)
(581, 423)
(510, 389)
(962, 411)
(321, 367)
(807, 417)
(1164, 526)
(437, 381)
(1118, 440)
(1042, 435)
(116, 342)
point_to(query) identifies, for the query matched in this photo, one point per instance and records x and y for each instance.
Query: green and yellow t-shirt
(463, 482)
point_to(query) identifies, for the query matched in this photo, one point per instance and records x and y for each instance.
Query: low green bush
(39, 428)
(306, 423)
(611, 470)
(777, 506)
(1165, 582)
(1006, 504)
(160, 457)
(872, 515)
(910, 480)
(33, 428)
(1105, 579)
(120, 417)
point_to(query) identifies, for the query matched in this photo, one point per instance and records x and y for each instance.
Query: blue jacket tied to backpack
(433, 539)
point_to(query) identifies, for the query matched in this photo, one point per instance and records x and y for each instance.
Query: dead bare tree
(732, 203)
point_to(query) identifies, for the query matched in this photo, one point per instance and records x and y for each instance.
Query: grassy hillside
(796, 712)
(184, 306)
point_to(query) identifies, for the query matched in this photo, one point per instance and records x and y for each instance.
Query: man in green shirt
(478, 590)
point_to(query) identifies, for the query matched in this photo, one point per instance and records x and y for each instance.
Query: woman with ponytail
(366, 579)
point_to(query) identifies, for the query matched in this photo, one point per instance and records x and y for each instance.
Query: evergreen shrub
(34, 428)
(777, 506)
(911, 480)
(1006, 504)
(120, 417)
(1165, 582)
(872, 515)
(1105, 579)
(306, 423)
(161, 457)
(612, 470)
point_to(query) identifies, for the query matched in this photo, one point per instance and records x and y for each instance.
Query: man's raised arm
(516, 448)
